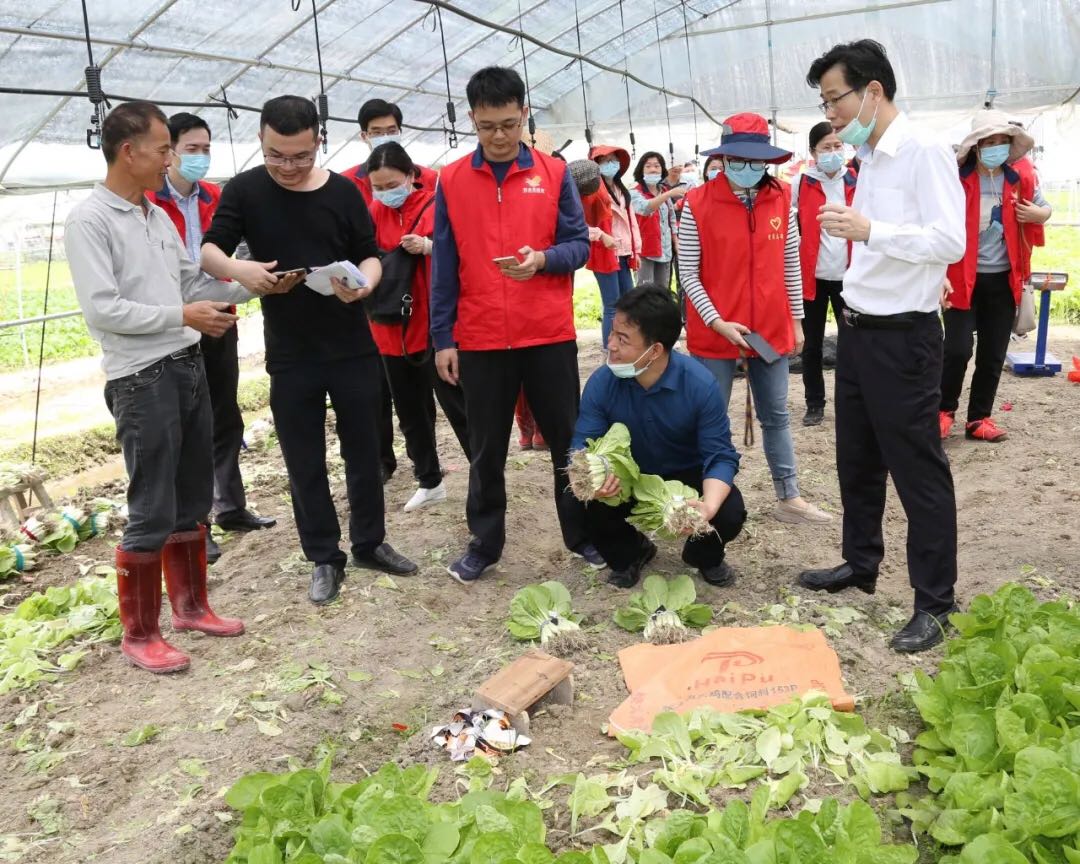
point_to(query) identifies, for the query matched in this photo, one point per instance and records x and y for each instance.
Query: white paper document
(319, 278)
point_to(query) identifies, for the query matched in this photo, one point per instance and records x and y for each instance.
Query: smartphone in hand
(282, 273)
(764, 350)
(505, 261)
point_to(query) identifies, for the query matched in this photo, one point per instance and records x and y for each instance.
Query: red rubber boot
(138, 587)
(184, 558)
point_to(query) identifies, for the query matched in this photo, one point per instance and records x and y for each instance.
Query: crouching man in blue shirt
(678, 429)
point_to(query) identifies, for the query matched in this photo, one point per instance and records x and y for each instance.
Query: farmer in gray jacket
(147, 303)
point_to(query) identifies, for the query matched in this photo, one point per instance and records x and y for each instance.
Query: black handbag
(391, 301)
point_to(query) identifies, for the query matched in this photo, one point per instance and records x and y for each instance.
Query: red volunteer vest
(209, 195)
(390, 226)
(1020, 182)
(811, 200)
(742, 266)
(649, 226)
(489, 222)
(597, 209)
(359, 175)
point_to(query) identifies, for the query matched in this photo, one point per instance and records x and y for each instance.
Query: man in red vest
(380, 122)
(509, 234)
(1005, 212)
(190, 201)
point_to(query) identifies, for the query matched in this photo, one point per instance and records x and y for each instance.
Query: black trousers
(816, 312)
(223, 378)
(415, 389)
(491, 381)
(991, 316)
(620, 542)
(386, 427)
(163, 424)
(887, 396)
(298, 402)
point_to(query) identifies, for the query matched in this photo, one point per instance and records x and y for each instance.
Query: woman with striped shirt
(739, 263)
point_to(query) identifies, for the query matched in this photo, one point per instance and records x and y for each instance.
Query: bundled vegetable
(664, 609)
(55, 531)
(12, 475)
(101, 518)
(544, 612)
(663, 509)
(16, 558)
(601, 459)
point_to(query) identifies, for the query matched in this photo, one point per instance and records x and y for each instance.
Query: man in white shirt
(906, 224)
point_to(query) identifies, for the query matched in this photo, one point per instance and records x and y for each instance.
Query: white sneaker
(793, 514)
(422, 497)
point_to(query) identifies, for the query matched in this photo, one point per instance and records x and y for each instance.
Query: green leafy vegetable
(663, 609)
(602, 458)
(662, 509)
(544, 612)
(1001, 750)
(85, 612)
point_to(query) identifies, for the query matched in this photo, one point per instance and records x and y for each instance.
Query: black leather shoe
(719, 576)
(813, 417)
(629, 576)
(244, 520)
(384, 558)
(325, 583)
(213, 551)
(837, 579)
(923, 631)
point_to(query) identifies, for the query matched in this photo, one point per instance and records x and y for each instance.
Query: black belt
(185, 353)
(900, 321)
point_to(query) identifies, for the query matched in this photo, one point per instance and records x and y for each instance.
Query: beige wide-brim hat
(989, 122)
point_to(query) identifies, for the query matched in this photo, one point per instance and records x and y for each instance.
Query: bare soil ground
(418, 646)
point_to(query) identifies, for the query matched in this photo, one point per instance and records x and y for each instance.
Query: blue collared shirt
(189, 209)
(679, 424)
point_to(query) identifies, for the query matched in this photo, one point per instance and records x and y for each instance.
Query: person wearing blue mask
(1005, 214)
(678, 429)
(739, 262)
(381, 122)
(906, 225)
(824, 258)
(190, 201)
(404, 218)
(654, 203)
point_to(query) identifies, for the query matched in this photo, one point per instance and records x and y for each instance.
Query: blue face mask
(193, 166)
(609, 169)
(832, 162)
(712, 173)
(994, 157)
(393, 197)
(384, 139)
(746, 176)
(629, 370)
(652, 179)
(855, 133)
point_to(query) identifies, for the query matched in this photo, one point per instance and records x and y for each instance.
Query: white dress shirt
(909, 189)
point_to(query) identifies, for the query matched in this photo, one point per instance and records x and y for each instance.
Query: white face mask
(376, 140)
(629, 370)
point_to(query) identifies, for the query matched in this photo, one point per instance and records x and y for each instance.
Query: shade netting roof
(728, 55)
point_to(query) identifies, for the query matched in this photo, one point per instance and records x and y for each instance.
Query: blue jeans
(164, 425)
(612, 287)
(769, 386)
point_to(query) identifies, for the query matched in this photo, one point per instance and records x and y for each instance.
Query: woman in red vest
(655, 209)
(405, 218)
(823, 258)
(739, 262)
(1005, 214)
(614, 162)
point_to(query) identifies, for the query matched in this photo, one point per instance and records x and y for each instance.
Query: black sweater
(300, 229)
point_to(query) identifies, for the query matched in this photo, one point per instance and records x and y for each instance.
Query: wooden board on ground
(524, 682)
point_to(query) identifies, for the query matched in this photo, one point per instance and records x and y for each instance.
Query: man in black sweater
(295, 214)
